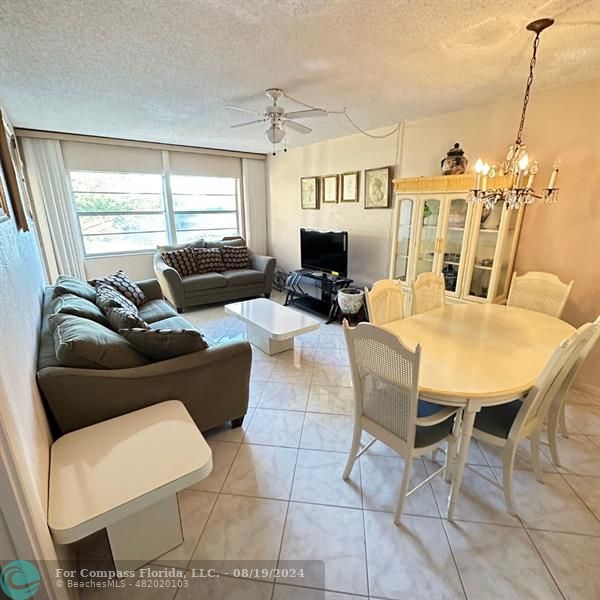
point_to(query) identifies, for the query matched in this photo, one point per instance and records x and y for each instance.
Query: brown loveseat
(213, 384)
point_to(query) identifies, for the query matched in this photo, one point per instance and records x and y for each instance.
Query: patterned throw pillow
(121, 318)
(236, 257)
(183, 260)
(209, 260)
(108, 297)
(125, 286)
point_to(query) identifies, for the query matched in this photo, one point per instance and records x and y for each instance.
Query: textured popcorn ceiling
(163, 69)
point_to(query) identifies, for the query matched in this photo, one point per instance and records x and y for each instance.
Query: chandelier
(518, 171)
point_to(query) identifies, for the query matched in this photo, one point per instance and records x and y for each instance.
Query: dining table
(476, 355)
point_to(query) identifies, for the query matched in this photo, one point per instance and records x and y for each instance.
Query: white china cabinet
(436, 230)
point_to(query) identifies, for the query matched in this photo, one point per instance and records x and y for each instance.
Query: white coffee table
(271, 327)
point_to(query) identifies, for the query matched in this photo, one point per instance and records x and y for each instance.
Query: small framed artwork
(350, 182)
(309, 192)
(378, 187)
(330, 189)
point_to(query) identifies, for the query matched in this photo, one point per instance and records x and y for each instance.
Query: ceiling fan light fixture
(275, 134)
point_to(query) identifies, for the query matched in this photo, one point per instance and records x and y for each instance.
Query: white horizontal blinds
(82, 156)
(205, 165)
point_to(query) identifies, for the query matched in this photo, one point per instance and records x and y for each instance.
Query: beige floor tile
(480, 498)
(261, 370)
(332, 342)
(265, 471)
(288, 592)
(586, 417)
(578, 455)
(224, 588)
(551, 505)
(327, 432)
(292, 373)
(331, 399)
(285, 396)
(339, 375)
(194, 508)
(227, 433)
(318, 479)
(573, 561)
(588, 489)
(333, 356)
(498, 562)
(308, 340)
(381, 478)
(493, 455)
(412, 560)
(475, 455)
(241, 529)
(330, 534)
(223, 455)
(256, 390)
(275, 428)
(595, 439)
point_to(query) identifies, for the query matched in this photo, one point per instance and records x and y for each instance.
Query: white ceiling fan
(278, 118)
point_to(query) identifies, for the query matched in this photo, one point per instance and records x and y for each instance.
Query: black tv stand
(326, 287)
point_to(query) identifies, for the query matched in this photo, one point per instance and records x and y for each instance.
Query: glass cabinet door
(429, 225)
(454, 242)
(507, 255)
(485, 243)
(403, 237)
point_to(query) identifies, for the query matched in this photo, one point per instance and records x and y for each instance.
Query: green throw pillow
(66, 284)
(70, 304)
(121, 318)
(85, 344)
(161, 344)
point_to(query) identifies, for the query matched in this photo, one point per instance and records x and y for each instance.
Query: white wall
(137, 266)
(563, 238)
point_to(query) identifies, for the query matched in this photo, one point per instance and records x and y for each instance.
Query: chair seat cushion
(156, 310)
(497, 420)
(204, 281)
(239, 277)
(426, 436)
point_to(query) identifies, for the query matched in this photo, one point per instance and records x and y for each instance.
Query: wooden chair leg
(403, 490)
(535, 455)
(353, 450)
(508, 464)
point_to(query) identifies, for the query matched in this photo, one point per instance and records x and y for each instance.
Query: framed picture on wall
(330, 189)
(4, 214)
(309, 192)
(349, 186)
(378, 187)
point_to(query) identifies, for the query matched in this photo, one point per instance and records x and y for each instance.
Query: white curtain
(53, 206)
(254, 188)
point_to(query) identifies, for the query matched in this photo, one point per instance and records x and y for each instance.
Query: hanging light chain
(536, 43)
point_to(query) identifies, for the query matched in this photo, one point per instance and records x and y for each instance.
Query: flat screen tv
(325, 251)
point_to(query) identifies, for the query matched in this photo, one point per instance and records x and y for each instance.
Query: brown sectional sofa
(213, 384)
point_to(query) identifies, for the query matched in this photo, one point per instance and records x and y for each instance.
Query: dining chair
(556, 414)
(385, 376)
(385, 302)
(538, 291)
(428, 292)
(507, 425)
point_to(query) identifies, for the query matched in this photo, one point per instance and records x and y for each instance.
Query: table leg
(461, 459)
(145, 535)
(260, 338)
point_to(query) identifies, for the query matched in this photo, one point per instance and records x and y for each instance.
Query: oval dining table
(478, 355)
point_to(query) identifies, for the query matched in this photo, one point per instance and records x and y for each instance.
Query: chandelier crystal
(517, 169)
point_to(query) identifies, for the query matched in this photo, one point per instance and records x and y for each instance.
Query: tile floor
(276, 494)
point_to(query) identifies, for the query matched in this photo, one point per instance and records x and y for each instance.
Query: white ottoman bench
(124, 474)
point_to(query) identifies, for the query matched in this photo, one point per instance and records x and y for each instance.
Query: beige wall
(563, 238)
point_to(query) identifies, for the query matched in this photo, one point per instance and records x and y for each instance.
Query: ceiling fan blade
(305, 114)
(297, 126)
(252, 112)
(247, 123)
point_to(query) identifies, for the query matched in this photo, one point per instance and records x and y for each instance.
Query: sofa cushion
(198, 243)
(205, 281)
(162, 344)
(233, 242)
(85, 344)
(121, 318)
(65, 284)
(108, 297)
(121, 282)
(177, 322)
(182, 260)
(156, 310)
(235, 257)
(208, 260)
(238, 277)
(70, 304)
